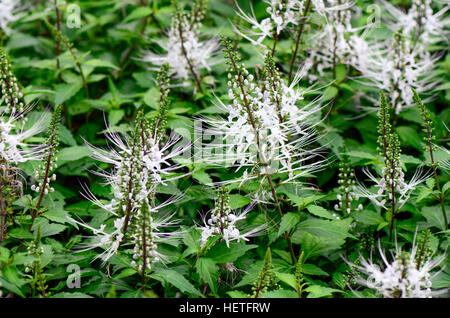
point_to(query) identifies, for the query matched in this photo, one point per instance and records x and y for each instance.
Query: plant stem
(3, 215)
(58, 42)
(260, 153)
(392, 168)
(297, 41)
(433, 166)
(275, 40)
(133, 45)
(45, 180)
(188, 60)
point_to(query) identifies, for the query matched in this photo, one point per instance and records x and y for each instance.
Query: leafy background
(118, 87)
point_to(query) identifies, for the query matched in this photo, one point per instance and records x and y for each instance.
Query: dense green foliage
(79, 78)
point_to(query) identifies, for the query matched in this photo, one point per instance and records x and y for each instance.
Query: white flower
(7, 13)
(273, 138)
(403, 277)
(140, 163)
(420, 23)
(224, 222)
(184, 49)
(141, 168)
(337, 41)
(395, 67)
(384, 186)
(282, 14)
(13, 148)
(109, 241)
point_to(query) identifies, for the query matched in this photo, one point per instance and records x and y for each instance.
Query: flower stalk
(45, 172)
(429, 138)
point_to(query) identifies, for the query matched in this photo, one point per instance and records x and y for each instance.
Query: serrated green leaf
(176, 279)
(220, 253)
(319, 211)
(208, 271)
(288, 222)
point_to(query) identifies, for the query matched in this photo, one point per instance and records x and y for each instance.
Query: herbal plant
(141, 156)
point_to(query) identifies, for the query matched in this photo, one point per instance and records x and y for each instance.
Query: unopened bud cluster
(11, 95)
(346, 186)
(145, 249)
(45, 172)
(186, 53)
(36, 250)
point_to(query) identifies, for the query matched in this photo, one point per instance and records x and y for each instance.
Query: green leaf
(202, 176)
(21, 233)
(4, 254)
(313, 245)
(208, 271)
(237, 201)
(47, 229)
(329, 230)
(410, 136)
(57, 215)
(288, 279)
(63, 92)
(319, 211)
(367, 217)
(434, 216)
(138, 13)
(220, 253)
(66, 137)
(361, 155)
(311, 269)
(192, 240)
(288, 222)
(176, 279)
(446, 187)
(126, 273)
(73, 153)
(318, 291)
(341, 72)
(330, 93)
(301, 202)
(237, 294)
(11, 287)
(100, 63)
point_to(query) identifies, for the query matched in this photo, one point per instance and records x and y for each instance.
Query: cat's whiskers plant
(186, 54)
(403, 277)
(282, 15)
(265, 280)
(37, 277)
(139, 167)
(424, 26)
(141, 162)
(395, 67)
(299, 277)
(331, 45)
(45, 172)
(430, 148)
(223, 222)
(13, 146)
(393, 191)
(270, 133)
(11, 95)
(346, 186)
